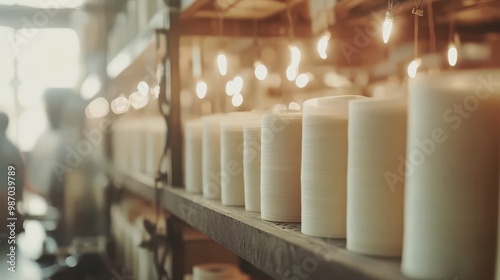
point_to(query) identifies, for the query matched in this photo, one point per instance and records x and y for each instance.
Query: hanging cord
(432, 30)
(415, 38)
(451, 31)
(220, 14)
(161, 178)
(290, 22)
(390, 5)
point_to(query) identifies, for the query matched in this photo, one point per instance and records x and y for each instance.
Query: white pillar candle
(324, 165)
(251, 164)
(452, 176)
(211, 156)
(193, 156)
(232, 184)
(137, 146)
(156, 135)
(280, 167)
(375, 189)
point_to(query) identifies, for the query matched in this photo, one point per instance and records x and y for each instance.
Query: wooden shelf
(278, 249)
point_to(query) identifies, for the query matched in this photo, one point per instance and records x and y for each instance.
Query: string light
(452, 54)
(201, 89)
(291, 72)
(293, 69)
(388, 22)
(222, 64)
(295, 56)
(260, 71)
(156, 91)
(302, 80)
(237, 100)
(452, 51)
(323, 45)
(413, 66)
(120, 105)
(234, 86)
(238, 83)
(143, 87)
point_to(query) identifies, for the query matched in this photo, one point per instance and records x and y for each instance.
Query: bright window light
(59, 4)
(52, 57)
(30, 95)
(7, 54)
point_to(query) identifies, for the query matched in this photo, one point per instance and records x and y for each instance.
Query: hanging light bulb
(388, 22)
(237, 100)
(452, 50)
(260, 71)
(222, 64)
(201, 89)
(413, 66)
(323, 45)
(143, 87)
(291, 72)
(230, 88)
(238, 84)
(295, 54)
(452, 54)
(387, 27)
(302, 80)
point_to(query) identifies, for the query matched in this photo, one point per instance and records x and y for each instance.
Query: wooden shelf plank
(278, 249)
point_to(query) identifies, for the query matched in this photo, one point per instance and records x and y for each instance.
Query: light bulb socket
(417, 11)
(389, 15)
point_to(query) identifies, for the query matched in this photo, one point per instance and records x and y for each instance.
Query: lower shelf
(278, 249)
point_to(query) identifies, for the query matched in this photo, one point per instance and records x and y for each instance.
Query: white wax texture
(211, 156)
(193, 156)
(280, 167)
(324, 172)
(155, 143)
(324, 165)
(452, 176)
(232, 184)
(375, 180)
(251, 165)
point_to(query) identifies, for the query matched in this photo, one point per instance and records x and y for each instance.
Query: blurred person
(9, 156)
(47, 151)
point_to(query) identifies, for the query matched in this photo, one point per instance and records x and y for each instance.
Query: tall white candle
(211, 156)
(280, 167)
(251, 164)
(375, 175)
(232, 183)
(193, 156)
(324, 165)
(452, 176)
